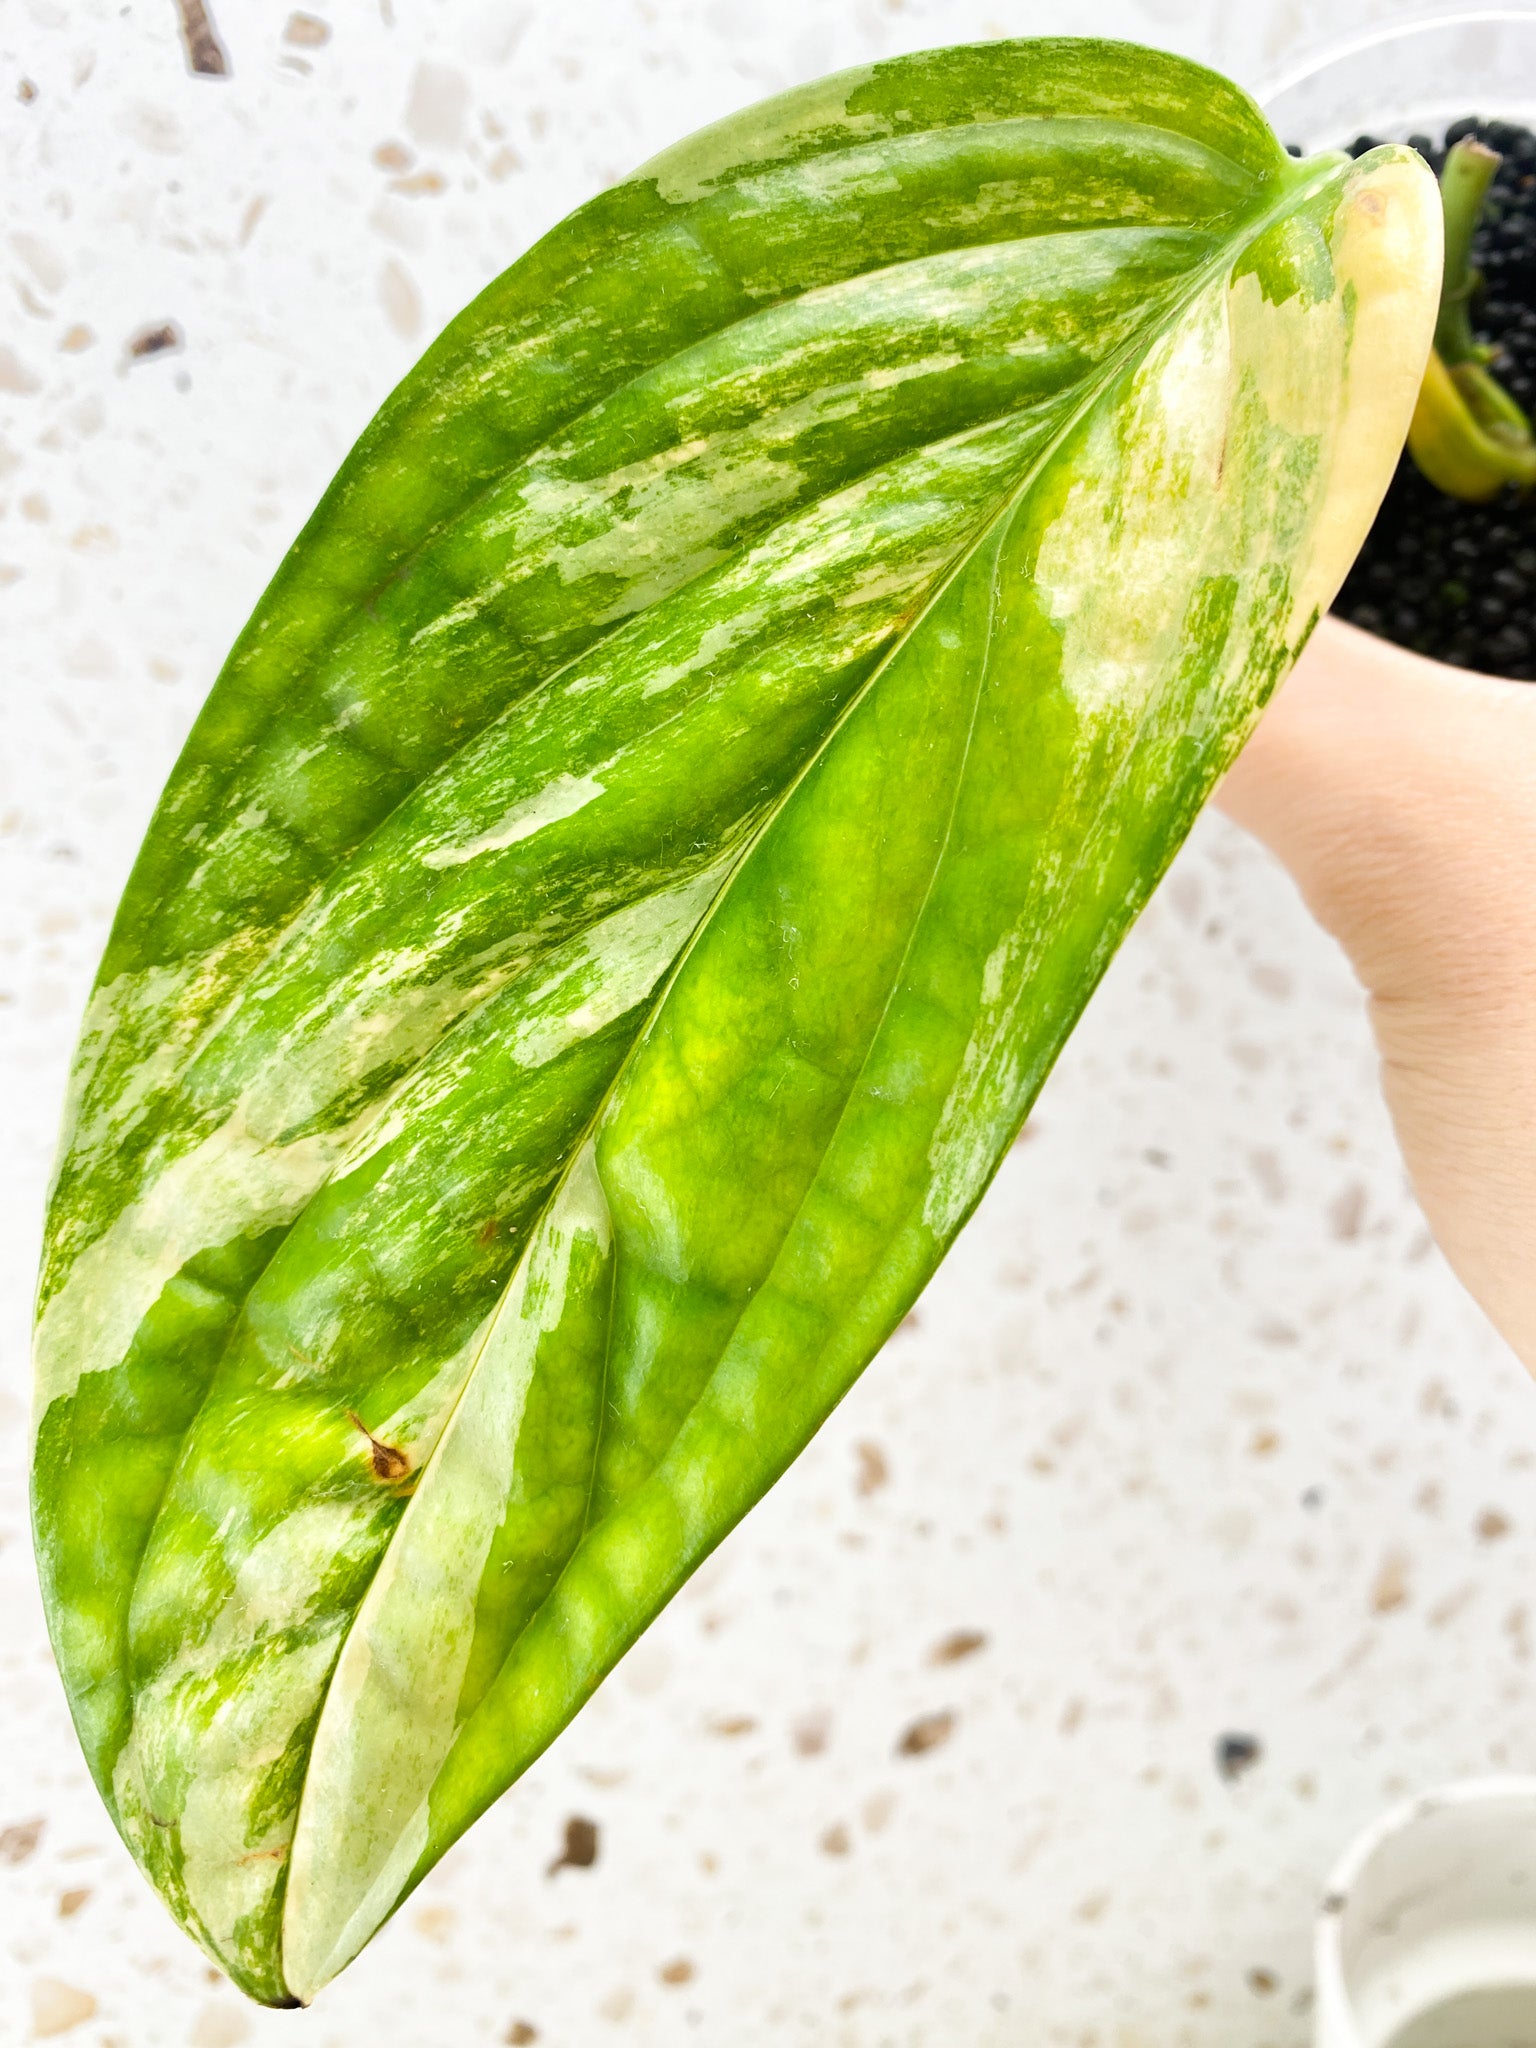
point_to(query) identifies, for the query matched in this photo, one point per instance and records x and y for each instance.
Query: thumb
(1401, 795)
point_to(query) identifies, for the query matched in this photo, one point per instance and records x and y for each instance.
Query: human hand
(1401, 795)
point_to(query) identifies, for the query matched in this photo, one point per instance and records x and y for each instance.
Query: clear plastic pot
(1412, 79)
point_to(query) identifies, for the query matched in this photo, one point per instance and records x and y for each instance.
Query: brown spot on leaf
(385, 1460)
(520, 2033)
(960, 1642)
(1263, 1983)
(873, 1471)
(930, 1731)
(732, 1724)
(393, 156)
(18, 1841)
(836, 1841)
(580, 1848)
(486, 1234)
(678, 1971)
(1492, 1523)
(206, 56)
(26, 92)
(71, 1902)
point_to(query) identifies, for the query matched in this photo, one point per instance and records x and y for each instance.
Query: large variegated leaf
(624, 892)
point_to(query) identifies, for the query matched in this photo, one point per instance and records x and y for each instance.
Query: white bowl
(1427, 1938)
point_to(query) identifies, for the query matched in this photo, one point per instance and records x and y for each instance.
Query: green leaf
(624, 892)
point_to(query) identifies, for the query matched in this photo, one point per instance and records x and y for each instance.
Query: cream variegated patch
(230, 1184)
(1387, 243)
(1234, 452)
(692, 168)
(232, 1844)
(391, 1712)
(1116, 565)
(561, 797)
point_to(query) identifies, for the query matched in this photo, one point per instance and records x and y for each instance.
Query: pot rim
(1273, 84)
(1334, 2003)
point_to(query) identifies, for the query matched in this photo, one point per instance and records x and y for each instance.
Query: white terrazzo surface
(1193, 1435)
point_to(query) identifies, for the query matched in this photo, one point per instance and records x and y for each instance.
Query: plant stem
(1469, 171)
(1452, 446)
(1468, 436)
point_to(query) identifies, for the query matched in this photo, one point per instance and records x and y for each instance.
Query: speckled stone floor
(1194, 1439)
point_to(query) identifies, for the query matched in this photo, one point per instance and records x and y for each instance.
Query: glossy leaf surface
(624, 892)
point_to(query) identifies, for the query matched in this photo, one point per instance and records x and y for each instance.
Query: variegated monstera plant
(624, 892)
